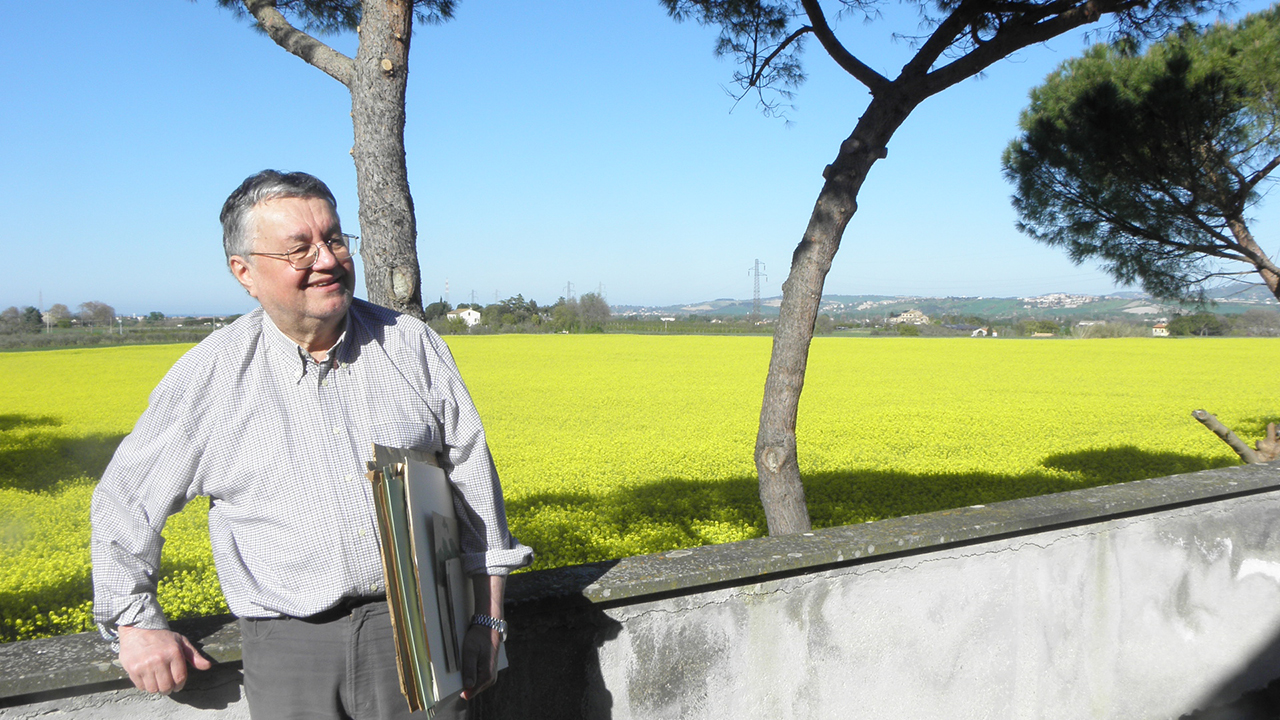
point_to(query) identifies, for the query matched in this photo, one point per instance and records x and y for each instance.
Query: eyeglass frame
(314, 254)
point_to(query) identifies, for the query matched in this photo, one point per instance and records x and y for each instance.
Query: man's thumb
(194, 657)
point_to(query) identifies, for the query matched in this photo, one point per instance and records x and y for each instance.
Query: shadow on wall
(554, 652)
(1263, 704)
(568, 528)
(36, 454)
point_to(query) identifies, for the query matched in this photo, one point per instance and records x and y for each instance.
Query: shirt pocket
(407, 435)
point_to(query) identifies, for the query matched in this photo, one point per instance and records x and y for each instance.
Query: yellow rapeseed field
(611, 445)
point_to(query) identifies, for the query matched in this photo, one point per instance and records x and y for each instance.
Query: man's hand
(480, 646)
(157, 660)
(479, 660)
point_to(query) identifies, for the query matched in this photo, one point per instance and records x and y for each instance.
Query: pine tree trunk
(389, 244)
(781, 490)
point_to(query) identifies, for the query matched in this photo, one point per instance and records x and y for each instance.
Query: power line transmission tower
(755, 297)
(568, 291)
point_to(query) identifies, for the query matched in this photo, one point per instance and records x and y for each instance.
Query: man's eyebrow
(305, 237)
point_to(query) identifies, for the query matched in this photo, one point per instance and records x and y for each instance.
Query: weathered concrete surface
(1146, 617)
(1145, 600)
(214, 694)
(77, 676)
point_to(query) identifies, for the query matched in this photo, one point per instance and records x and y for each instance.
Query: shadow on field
(35, 454)
(26, 607)
(1125, 463)
(576, 527)
(15, 422)
(1251, 429)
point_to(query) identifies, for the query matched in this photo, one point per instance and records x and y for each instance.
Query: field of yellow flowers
(612, 445)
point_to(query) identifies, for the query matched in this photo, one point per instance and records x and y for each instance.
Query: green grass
(612, 445)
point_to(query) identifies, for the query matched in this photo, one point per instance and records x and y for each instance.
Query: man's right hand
(157, 660)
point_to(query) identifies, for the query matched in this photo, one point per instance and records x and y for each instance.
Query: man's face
(307, 305)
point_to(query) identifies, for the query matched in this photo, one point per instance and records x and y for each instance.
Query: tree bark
(377, 80)
(387, 221)
(781, 490)
(1224, 433)
(1266, 268)
(1268, 448)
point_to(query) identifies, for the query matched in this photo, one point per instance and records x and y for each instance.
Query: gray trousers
(340, 665)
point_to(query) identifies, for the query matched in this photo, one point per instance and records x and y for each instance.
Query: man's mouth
(326, 282)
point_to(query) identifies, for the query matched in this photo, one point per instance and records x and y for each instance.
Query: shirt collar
(293, 358)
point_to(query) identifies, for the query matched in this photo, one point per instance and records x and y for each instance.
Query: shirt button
(373, 587)
(364, 533)
(337, 429)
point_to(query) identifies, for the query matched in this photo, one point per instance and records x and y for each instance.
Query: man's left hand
(479, 660)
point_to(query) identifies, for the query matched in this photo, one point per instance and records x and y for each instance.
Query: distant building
(468, 316)
(1160, 330)
(911, 317)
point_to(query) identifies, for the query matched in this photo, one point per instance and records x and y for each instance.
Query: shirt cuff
(497, 562)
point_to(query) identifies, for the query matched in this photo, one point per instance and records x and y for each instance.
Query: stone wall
(1150, 599)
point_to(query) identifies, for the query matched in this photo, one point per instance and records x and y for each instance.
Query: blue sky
(552, 142)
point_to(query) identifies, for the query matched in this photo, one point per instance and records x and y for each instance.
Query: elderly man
(273, 418)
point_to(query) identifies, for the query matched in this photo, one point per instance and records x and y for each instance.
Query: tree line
(586, 314)
(91, 314)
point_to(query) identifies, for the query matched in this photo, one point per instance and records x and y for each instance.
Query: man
(273, 418)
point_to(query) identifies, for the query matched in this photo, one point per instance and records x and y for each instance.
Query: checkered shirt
(279, 442)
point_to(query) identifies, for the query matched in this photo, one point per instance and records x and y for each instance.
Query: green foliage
(593, 312)
(1203, 324)
(908, 330)
(436, 310)
(1149, 163)
(333, 16)
(514, 313)
(1031, 327)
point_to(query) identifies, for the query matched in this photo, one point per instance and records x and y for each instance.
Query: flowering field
(612, 445)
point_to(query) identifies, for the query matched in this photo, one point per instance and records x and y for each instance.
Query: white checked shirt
(279, 443)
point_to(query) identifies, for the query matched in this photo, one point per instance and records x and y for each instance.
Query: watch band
(492, 623)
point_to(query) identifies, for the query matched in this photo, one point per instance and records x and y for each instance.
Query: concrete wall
(1150, 599)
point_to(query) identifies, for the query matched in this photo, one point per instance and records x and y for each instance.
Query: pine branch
(315, 53)
(874, 81)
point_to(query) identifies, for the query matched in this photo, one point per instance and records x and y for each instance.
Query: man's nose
(325, 259)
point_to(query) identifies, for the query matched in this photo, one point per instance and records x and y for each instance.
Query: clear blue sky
(548, 142)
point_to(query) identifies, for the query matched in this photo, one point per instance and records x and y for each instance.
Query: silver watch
(492, 623)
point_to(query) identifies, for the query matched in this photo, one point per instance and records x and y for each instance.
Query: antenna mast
(755, 297)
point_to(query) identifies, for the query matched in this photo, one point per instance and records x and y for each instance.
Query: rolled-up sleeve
(150, 477)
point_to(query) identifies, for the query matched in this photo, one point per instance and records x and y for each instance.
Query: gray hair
(237, 211)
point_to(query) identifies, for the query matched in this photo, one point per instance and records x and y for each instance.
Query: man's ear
(243, 273)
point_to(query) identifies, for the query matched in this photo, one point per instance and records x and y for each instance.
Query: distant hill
(1231, 300)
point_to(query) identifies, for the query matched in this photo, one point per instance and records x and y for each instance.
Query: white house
(1160, 330)
(468, 316)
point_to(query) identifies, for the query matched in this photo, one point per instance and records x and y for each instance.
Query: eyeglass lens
(302, 259)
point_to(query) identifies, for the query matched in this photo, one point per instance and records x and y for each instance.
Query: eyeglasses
(304, 257)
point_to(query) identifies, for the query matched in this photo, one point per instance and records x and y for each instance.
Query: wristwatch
(492, 623)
